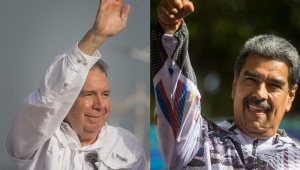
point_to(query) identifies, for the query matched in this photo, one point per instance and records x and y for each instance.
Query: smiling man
(266, 75)
(262, 94)
(62, 125)
(91, 108)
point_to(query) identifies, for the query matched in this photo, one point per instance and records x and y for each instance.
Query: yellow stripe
(193, 98)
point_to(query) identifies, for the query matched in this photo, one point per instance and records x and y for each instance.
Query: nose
(261, 92)
(98, 102)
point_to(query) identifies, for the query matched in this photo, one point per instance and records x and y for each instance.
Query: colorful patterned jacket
(186, 138)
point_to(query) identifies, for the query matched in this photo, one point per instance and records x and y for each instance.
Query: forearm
(177, 112)
(91, 42)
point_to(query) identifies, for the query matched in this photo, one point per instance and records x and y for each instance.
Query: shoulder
(124, 144)
(117, 132)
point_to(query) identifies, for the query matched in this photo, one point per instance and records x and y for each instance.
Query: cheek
(108, 105)
(240, 95)
(79, 108)
(278, 102)
(85, 104)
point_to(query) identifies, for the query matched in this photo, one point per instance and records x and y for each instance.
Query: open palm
(111, 19)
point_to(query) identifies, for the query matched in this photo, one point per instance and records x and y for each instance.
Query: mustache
(262, 103)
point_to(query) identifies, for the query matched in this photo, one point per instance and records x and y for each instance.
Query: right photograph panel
(224, 80)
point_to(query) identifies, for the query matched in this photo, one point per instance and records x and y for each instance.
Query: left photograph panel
(75, 85)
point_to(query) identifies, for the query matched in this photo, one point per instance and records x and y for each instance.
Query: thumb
(188, 7)
(124, 12)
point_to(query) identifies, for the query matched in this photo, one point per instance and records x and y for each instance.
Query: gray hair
(275, 48)
(100, 64)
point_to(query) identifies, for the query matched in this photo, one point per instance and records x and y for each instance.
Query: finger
(169, 6)
(121, 1)
(165, 16)
(125, 12)
(177, 4)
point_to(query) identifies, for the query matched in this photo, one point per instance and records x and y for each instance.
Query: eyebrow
(252, 74)
(87, 91)
(106, 91)
(92, 91)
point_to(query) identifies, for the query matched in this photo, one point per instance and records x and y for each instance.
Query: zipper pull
(255, 143)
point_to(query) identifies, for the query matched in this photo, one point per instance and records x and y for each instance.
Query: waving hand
(110, 20)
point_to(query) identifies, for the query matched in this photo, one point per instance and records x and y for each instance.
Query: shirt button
(78, 61)
(66, 84)
(85, 64)
(79, 151)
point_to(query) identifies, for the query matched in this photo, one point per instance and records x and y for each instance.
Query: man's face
(261, 96)
(91, 108)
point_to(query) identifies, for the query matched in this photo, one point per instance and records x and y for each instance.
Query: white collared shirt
(39, 139)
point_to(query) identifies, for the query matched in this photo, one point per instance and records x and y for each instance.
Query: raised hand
(111, 19)
(169, 11)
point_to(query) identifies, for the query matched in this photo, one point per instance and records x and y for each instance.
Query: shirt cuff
(82, 60)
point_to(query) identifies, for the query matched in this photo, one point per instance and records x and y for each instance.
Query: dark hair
(275, 48)
(101, 65)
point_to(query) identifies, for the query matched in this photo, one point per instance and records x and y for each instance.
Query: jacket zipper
(255, 144)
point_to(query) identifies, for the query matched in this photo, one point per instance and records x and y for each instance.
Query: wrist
(97, 36)
(172, 24)
(91, 42)
(169, 29)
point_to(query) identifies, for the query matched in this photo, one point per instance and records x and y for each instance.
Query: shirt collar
(67, 137)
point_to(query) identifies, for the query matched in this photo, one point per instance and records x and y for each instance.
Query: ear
(234, 84)
(290, 98)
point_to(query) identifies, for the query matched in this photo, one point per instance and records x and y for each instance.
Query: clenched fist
(169, 11)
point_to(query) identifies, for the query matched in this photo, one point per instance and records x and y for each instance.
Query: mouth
(257, 107)
(257, 110)
(95, 119)
(95, 116)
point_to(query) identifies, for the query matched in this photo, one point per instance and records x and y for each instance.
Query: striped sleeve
(177, 113)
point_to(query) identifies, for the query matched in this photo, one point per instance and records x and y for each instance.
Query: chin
(93, 128)
(256, 131)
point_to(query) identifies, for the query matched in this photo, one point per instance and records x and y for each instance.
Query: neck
(255, 134)
(87, 139)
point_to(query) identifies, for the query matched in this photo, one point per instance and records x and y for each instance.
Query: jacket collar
(67, 137)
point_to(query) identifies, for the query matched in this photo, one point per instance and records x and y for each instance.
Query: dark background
(218, 29)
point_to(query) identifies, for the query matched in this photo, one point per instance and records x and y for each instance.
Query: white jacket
(39, 139)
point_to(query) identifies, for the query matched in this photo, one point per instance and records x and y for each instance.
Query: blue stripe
(181, 104)
(162, 104)
(199, 112)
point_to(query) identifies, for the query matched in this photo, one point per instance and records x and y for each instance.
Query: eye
(250, 79)
(106, 94)
(88, 94)
(276, 86)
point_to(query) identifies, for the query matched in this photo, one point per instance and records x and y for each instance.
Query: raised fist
(169, 11)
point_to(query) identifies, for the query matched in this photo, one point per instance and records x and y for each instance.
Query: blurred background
(218, 29)
(33, 32)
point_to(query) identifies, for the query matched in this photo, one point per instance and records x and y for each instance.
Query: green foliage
(219, 28)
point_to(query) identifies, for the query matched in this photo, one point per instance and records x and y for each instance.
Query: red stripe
(174, 118)
(168, 104)
(197, 100)
(286, 159)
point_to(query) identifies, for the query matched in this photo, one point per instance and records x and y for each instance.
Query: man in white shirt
(62, 125)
